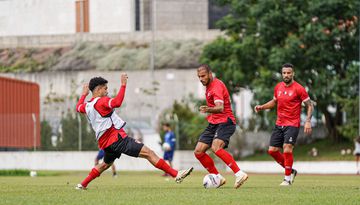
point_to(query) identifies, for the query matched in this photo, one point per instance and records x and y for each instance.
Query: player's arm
(80, 106)
(309, 109)
(117, 101)
(269, 105)
(218, 108)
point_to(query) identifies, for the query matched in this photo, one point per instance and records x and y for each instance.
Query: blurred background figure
(357, 153)
(99, 157)
(169, 144)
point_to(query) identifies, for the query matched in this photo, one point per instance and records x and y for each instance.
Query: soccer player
(99, 157)
(357, 153)
(109, 132)
(288, 96)
(170, 140)
(221, 127)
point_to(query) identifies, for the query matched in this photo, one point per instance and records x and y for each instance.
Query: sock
(161, 164)
(207, 162)
(288, 162)
(279, 158)
(92, 175)
(287, 178)
(228, 159)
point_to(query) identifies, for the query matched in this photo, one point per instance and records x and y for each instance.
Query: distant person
(109, 131)
(221, 127)
(99, 157)
(357, 153)
(169, 144)
(288, 96)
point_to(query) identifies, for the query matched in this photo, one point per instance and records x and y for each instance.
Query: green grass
(150, 188)
(327, 151)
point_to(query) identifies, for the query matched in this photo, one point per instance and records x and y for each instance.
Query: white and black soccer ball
(211, 181)
(33, 173)
(166, 147)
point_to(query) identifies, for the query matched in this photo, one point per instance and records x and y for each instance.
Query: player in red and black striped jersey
(288, 96)
(109, 132)
(221, 127)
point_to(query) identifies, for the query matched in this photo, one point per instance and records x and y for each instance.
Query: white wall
(182, 160)
(32, 17)
(48, 17)
(111, 16)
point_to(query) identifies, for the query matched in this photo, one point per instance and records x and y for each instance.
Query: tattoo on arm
(309, 109)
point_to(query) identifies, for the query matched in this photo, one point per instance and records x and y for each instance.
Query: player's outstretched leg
(94, 173)
(159, 163)
(240, 176)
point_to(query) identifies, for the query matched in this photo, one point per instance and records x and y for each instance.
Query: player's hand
(257, 108)
(203, 108)
(85, 89)
(307, 128)
(124, 78)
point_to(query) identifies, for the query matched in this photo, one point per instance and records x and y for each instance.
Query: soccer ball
(166, 146)
(33, 173)
(211, 181)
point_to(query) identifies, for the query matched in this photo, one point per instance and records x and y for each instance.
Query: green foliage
(69, 139)
(189, 126)
(321, 39)
(46, 133)
(94, 55)
(14, 172)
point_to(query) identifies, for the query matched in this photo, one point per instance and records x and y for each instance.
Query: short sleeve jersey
(216, 91)
(170, 139)
(289, 99)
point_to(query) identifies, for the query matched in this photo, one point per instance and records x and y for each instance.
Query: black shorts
(221, 131)
(125, 145)
(283, 134)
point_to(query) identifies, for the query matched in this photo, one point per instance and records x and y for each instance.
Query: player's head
(358, 139)
(204, 74)
(287, 72)
(98, 86)
(166, 126)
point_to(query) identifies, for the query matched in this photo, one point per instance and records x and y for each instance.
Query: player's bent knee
(197, 152)
(147, 153)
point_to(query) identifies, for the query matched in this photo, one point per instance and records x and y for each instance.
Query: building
(58, 17)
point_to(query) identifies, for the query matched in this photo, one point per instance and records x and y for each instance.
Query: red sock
(161, 164)
(228, 159)
(92, 175)
(207, 162)
(288, 159)
(279, 158)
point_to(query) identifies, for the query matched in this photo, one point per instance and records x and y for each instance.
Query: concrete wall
(111, 16)
(173, 85)
(181, 15)
(182, 159)
(34, 17)
(48, 17)
(110, 38)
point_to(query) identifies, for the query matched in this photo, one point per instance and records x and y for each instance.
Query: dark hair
(95, 82)
(288, 65)
(205, 66)
(166, 124)
(358, 139)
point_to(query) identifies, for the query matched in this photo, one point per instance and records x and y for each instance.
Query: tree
(46, 133)
(69, 139)
(320, 37)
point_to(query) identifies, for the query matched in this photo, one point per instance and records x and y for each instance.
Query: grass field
(150, 188)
